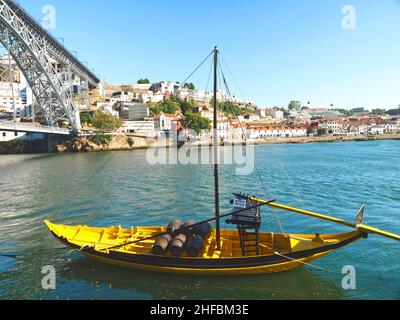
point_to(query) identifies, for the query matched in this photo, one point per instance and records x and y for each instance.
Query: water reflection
(288, 285)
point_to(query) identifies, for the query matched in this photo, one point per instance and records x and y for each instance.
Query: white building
(165, 87)
(166, 122)
(377, 129)
(209, 114)
(122, 96)
(224, 130)
(278, 114)
(392, 127)
(146, 127)
(10, 95)
(334, 126)
(260, 132)
(150, 96)
(250, 118)
(134, 111)
(358, 128)
(107, 108)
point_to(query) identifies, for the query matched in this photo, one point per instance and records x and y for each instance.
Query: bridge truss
(48, 66)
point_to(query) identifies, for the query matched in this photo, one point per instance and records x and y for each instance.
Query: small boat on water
(277, 252)
(197, 248)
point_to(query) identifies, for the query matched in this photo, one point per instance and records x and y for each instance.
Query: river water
(329, 178)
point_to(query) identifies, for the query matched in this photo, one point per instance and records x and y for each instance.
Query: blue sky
(277, 50)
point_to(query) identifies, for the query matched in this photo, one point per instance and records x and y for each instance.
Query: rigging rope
(91, 177)
(299, 261)
(102, 166)
(255, 162)
(184, 82)
(291, 181)
(209, 76)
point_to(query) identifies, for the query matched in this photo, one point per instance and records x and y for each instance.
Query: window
(4, 134)
(16, 134)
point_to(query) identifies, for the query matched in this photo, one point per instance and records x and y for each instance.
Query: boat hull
(216, 264)
(211, 270)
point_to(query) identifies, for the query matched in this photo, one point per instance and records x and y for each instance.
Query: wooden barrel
(178, 245)
(187, 231)
(161, 246)
(174, 226)
(202, 230)
(195, 246)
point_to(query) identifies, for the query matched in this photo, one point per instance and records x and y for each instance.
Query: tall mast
(215, 144)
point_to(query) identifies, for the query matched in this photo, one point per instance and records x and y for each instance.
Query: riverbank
(127, 143)
(23, 147)
(106, 143)
(327, 139)
(304, 140)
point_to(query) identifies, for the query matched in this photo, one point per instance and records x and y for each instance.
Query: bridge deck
(32, 128)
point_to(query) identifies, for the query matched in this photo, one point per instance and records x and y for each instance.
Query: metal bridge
(30, 128)
(47, 65)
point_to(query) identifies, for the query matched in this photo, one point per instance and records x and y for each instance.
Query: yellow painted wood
(367, 229)
(271, 244)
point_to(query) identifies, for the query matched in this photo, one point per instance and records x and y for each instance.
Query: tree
(347, 113)
(322, 132)
(101, 139)
(155, 108)
(394, 112)
(233, 109)
(190, 86)
(144, 81)
(186, 106)
(196, 122)
(106, 122)
(378, 112)
(170, 107)
(87, 117)
(295, 105)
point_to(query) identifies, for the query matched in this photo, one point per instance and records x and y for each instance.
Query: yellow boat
(132, 248)
(227, 252)
(278, 252)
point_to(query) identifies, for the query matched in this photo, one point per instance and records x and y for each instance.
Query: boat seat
(245, 221)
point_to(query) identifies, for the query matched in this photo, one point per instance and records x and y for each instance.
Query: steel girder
(57, 51)
(32, 48)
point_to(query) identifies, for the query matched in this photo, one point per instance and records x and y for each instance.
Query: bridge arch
(32, 48)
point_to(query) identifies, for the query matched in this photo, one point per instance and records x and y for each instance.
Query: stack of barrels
(189, 237)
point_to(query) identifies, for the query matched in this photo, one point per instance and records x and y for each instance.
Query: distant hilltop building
(309, 113)
(165, 87)
(159, 92)
(133, 111)
(270, 115)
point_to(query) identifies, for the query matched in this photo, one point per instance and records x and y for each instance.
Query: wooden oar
(361, 227)
(192, 226)
(368, 229)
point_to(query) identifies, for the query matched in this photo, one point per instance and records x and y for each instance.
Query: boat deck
(103, 238)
